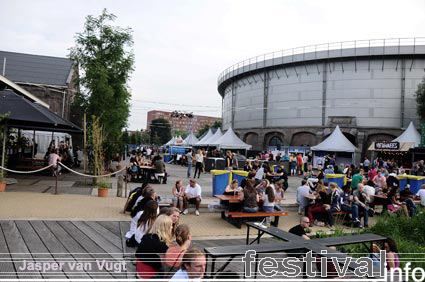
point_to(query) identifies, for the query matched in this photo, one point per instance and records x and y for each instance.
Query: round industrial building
(297, 97)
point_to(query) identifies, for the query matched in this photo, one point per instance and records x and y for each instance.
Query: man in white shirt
(369, 190)
(304, 195)
(192, 266)
(192, 195)
(421, 194)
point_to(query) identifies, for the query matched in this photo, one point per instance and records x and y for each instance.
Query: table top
(236, 198)
(146, 167)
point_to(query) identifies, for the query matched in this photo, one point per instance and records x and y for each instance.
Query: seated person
(421, 195)
(192, 266)
(175, 253)
(261, 188)
(304, 196)
(407, 197)
(379, 179)
(321, 205)
(335, 202)
(268, 198)
(330, 170)
(159, 166)
(250, 198)
(360, 200)
(280, 175)
(248, 166)
(192, 195)
(300, 228)
(178, 194)
(279, 193)
(259, 175)
(233, 188)
(347, 206)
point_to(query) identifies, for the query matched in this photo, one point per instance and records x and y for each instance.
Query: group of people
(358, 197)
(63, 154)
(137, 162)
(163, 245)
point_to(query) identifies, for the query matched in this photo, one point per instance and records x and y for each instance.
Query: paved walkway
(32, 198)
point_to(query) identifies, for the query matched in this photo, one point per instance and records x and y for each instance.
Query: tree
(105, 60)
(146, 138)
(181, 133)
(217, 124)
(420, 100)
(162, 129)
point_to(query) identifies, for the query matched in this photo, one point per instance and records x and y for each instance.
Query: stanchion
(126, 180)
(56, 177)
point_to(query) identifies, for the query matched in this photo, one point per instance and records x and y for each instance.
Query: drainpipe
(63, 104)
(4, 66)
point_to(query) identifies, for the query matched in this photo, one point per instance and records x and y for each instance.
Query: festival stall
(336, 144)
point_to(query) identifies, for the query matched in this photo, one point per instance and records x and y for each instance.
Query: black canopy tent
(24, 114)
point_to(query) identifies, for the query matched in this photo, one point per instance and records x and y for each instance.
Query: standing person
(305, 163)
(199, 161)
(229, 160)
(293, 162)
(299, 164)
(189, 158)
(178, 194)
(153, 247)
(357, 178)
(54, 158)
(192, 266)
(192, 195)
(366, 165)
(235, 164)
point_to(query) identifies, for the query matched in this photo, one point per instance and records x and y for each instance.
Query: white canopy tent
(213, 140)
(204, 140)
(171, 142)
(190, 140)
(410, 135)
(230, 140)
(335, 143)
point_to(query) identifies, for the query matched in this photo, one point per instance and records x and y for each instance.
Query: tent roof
(204, 140)
(190, 139)
(230, 140)
(28, 115)
(410, 135)
(171, 142)
(336, 142)
(213, 140)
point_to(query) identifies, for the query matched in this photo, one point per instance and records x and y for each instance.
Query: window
(275, 141)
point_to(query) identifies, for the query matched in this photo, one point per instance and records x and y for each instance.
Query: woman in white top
(268, 199)
(146, 219)
(199, 161)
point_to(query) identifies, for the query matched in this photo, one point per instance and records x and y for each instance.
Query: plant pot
(102, 192)
(2, 186)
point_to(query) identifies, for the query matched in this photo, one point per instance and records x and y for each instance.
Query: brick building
(182, 123)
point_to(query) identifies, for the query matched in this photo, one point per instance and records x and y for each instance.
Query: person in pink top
(372, 173)
(379, 179)
(54, 158)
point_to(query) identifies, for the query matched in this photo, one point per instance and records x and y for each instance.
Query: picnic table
(293, 244)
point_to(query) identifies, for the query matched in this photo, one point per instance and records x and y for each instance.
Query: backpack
(132, 198)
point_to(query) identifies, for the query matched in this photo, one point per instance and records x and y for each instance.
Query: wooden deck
(77, 243)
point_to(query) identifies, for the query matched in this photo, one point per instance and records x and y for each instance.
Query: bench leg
(223, 215)
(275, 222)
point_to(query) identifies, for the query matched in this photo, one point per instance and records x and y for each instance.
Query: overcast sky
(181, 46)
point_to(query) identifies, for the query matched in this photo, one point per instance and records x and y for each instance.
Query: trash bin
(209, 164)
(167, 158)
(403, 180)
(239, 175)
(415, 183)
(220, 181)
(337, 178)
(220, 164)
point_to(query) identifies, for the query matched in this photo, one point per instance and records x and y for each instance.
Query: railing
(371, 43)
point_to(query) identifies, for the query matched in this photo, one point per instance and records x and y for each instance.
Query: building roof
(36, 69)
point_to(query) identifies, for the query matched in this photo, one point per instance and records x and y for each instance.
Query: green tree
(420, 100)
(146, 138)
(156, 140)
(181, 133)
(217, 124)
(162, 129)
(105, 60)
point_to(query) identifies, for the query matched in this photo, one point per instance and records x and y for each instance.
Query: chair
(159, 177)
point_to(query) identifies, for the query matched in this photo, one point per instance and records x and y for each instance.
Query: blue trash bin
(220, 181)
(239, 175)
(167, 158)
(339, 179)
(415, 183)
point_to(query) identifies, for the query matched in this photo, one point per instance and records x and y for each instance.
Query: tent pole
(33, 144)
(3, 154)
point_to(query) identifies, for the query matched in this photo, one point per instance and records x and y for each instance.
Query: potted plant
(103, 186)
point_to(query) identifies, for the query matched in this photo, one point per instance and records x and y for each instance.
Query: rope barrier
(25, 172)
(88, 175)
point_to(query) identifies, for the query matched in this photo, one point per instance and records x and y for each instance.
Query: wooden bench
(236, 218)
